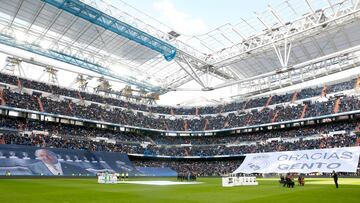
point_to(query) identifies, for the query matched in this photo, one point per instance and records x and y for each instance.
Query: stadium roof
(158, 59)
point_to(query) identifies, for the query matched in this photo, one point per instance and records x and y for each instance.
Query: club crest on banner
(259, 162)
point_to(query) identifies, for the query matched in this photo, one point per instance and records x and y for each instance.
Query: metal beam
(276, 15)
(16, 13)
(310, 7)
(170, 51)
(107, 22)
(194, 77)
(356, 4)
(283, 57)
(262, 21)
(194, 72)
(10, 41)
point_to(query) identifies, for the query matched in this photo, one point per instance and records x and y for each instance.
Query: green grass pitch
(88, 191)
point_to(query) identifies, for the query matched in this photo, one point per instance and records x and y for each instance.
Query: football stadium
(179, 101)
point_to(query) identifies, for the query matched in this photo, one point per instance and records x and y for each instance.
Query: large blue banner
(28, 160)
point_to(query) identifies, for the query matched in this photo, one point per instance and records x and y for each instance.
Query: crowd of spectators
(255, 136)
(21, 131)
(82, 137)
(199, 167)
(341, 140)
(68, 130)
(129, 142)
(234, 106)
(75, 142)
(70, 142)
(126, 117)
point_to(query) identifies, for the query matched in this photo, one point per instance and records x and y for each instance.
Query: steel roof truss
(191, 73)
(308, 23)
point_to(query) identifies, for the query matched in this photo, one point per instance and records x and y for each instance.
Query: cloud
(181, 21)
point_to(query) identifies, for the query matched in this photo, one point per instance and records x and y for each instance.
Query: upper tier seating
(230, 107)
(121, 116)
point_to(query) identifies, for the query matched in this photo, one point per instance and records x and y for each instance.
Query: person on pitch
(122, 176)
(335, 177)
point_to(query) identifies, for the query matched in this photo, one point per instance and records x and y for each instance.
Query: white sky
(194, 17)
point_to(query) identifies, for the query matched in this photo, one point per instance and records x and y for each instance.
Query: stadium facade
(73, 130)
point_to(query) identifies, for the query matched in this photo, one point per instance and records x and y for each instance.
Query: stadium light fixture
(173, 34)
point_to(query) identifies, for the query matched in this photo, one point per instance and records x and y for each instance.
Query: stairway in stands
(165, 125)
(19, 84)
(186, 125)
(70, 106)
(206, 124)
(226, 123)
(268, 101)
(337, 105)
(2, 99)
(244, 107)
(357, 84)
(248, 120)
(41, 106)
(2, 140)
(187, 151)
(323, 92)
(276, 115)
(303, 112)
(294, 97)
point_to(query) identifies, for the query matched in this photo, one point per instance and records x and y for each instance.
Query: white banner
(306, 161)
